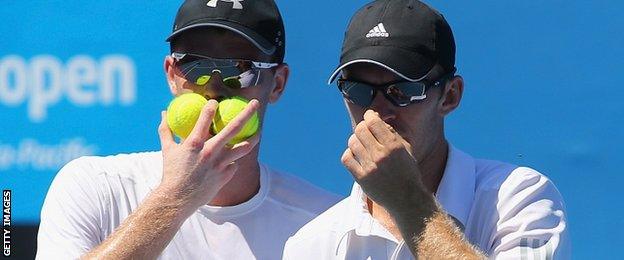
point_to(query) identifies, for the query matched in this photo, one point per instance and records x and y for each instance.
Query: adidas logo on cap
(378, 31)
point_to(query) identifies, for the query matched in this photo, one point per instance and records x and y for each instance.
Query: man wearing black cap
(417, 196)
(200, 198)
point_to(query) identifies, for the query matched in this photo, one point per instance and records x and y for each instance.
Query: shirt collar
(357, 220)
(245, 207)
(457, 187)
(357, 210)
(455, 193)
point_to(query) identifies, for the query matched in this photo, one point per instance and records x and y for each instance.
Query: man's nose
(383, 106)
(215, 89)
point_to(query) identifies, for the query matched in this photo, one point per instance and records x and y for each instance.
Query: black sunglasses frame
(345, 86)
(228, 68)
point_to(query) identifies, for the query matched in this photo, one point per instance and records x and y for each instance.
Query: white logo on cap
(237, 3)
(378, 31)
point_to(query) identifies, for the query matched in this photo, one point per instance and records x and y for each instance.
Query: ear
(281, 78)
(452, 95)
(170, 74)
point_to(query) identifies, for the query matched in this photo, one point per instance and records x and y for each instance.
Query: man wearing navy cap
(200, 198)
(415, 195)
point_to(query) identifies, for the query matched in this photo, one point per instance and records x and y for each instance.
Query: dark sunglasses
(236, 73)
(400, 94)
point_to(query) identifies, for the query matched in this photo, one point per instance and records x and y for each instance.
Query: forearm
(431, 234)
(147, 231)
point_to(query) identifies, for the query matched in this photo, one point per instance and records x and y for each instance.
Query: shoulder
(509, 195)
(102, 178)
(491, 174)
(141, 167)
(87, 198)
(298, 194)
(517, 204)
(527, 186)
(505, 178)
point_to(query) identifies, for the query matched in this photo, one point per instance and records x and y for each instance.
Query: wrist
(416, 204)
(174, 199)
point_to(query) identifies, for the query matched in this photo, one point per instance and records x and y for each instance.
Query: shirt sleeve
(71, 215)
(531, 219)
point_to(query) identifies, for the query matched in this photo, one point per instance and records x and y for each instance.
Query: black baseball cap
(259, 21)
(406, 37)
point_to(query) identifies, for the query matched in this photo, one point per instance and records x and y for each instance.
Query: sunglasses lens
(358, 93)
(405, 93)
(235, 75)
(249, 78)
(232, 82)
(202, 80)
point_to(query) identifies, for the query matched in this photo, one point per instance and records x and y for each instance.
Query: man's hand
(194, 172)
(379, 161)
(196, 169)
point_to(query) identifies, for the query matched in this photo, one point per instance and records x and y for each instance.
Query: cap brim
(253, 37)
(408, 65)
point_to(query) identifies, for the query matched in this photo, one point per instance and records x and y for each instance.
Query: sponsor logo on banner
(31, 154)
(44, 80)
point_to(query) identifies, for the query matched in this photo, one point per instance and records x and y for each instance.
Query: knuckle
(376, 123)
(232, 128)
(209, 110)
(377, 149)
(194, 143)
(163, 128)
(207, 153)
(381, 158)
(352, 141)
(345, 158)
(371, 167)
(236, 127)
(361, 127)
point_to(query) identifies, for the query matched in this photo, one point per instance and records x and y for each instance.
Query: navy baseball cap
(406, 37)
(259, 21)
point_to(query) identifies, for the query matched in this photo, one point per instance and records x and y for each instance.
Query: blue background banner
(543, 89)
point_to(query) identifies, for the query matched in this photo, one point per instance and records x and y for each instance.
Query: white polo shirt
(508, 212)
(91, 196)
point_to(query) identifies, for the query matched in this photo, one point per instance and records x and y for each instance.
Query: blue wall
(543, 89)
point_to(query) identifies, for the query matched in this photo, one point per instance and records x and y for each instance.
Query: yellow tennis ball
(183, 112)
(226, 112)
